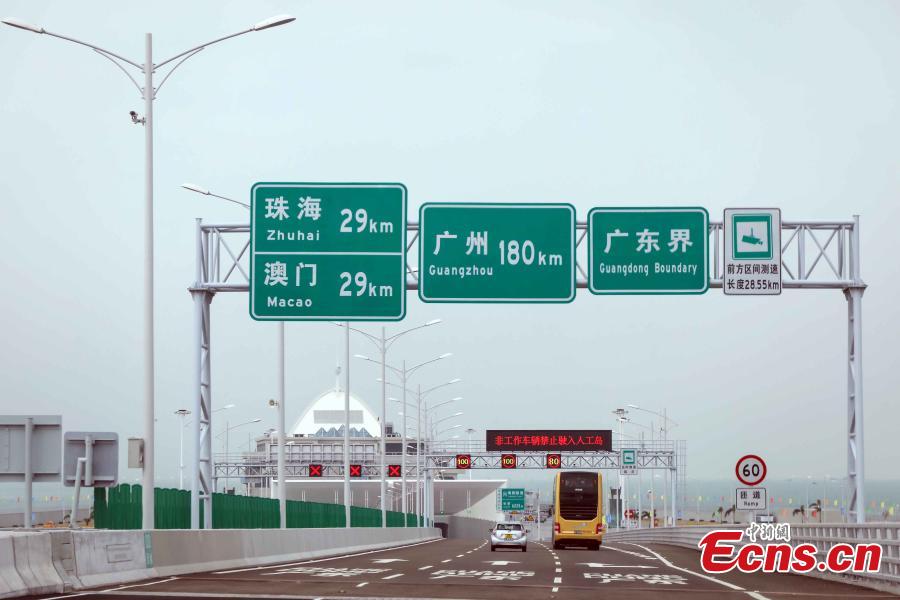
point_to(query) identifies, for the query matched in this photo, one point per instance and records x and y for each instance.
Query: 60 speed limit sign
(750, 470)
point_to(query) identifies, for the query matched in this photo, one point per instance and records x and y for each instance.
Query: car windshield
(508, 527)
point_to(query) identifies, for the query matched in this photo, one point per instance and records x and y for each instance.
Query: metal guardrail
(822, 535)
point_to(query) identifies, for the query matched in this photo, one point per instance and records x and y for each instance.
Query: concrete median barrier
(57, 561)
(179, 552)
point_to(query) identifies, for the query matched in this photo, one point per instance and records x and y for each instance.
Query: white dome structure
(325, 417)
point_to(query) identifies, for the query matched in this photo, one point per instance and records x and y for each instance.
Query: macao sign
(544, 440)
(328, 251)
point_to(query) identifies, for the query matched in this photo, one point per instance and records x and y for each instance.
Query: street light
(421, 395)
(383, 343)
(225, 433)
(148, 93)
(183, 413)
(665, 430)
(280, 401)
(405, 373)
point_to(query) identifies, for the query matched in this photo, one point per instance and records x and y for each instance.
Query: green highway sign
(512, 499)
(496, 252)
(648, 250)
(328, 251)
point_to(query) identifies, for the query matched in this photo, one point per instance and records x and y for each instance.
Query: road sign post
(752, 247)
(328, 251)
(496, 252)
(648, 250)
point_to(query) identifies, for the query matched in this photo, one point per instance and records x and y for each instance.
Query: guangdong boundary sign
(648, 250)
(496, 252)
(328, 251)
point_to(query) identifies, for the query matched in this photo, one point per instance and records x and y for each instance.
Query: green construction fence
(119, 507)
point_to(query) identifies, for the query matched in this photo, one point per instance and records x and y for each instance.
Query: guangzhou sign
(548, 440)
(648, 250)
(496, 252)
(328, 251)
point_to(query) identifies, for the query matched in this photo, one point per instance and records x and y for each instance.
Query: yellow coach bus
(578, 509)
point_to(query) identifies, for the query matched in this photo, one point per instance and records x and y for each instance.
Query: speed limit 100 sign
(750, 470)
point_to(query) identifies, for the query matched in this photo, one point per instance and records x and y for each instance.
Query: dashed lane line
(446, 561)
(394, 576)
(752, 594)
(425, 568)
(363, 584)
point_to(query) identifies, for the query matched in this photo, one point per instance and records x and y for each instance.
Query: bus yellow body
(578, 509)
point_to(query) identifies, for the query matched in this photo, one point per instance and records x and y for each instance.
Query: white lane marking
(558, 570)
(460, 555)
(556, 562)
(626, 551)
(363, 584)
(755, 595)
(382, 561)
(592, 565)
(395, 575)
(554, 590)
(446, 561)
(557, 580)
(502, 563)
(318, 560)
(425, 567)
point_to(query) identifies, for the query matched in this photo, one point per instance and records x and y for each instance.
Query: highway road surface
(468, 569)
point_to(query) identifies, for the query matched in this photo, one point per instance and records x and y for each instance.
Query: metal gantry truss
(257, 467)
(814, 254)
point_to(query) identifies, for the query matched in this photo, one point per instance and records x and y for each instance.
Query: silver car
(509, 535)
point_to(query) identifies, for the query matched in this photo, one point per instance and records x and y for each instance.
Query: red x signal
(355, 470)
(315, 470)
(394, 471)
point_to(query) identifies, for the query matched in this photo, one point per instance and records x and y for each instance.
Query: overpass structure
(815, 255)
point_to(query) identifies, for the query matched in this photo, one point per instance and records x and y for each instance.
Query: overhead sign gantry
(674, 249)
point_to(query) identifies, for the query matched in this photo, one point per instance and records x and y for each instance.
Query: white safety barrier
(29, 555)
(822, 535)
(41, 562)
(11, 583)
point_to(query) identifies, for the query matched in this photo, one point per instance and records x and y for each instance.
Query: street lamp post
(383, 344)
(420, 395)
(183, 425)
(226, 432)
(148, 93)
(665, 431)
(405, 373)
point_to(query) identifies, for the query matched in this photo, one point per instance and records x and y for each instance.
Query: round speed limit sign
(750, 470)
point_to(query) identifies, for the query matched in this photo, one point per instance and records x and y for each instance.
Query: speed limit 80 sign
(750, 470)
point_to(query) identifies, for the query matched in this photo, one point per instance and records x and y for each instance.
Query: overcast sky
(717, 104)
